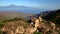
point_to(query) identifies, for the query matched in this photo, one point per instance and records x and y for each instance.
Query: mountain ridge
(25, 9)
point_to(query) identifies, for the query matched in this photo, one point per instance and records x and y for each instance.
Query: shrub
(1, 32)
(38, 32)
(1, 24)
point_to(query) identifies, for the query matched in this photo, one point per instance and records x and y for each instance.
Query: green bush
(14, 19)
(1, 32)
(38, 32)
(1, 25)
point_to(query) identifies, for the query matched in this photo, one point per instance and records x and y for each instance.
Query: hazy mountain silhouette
(20, 8)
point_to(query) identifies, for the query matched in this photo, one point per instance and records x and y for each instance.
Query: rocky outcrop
(21, 27)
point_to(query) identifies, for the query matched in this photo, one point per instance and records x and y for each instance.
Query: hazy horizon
(41, 4)
(29, 6)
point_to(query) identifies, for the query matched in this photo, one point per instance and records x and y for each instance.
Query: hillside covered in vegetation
(53, 15)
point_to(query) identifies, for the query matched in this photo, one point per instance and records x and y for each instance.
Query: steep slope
(53, 16)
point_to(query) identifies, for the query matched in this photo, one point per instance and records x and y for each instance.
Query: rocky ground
(23, 27)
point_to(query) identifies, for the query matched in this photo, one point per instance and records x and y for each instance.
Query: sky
(41, 4)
